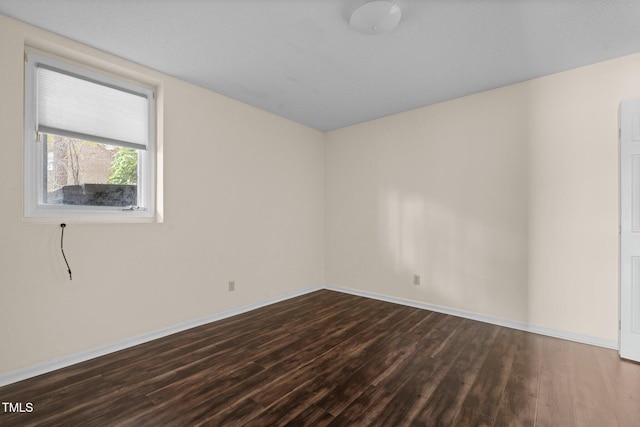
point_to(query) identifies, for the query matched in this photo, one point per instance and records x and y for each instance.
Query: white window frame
(34, 208)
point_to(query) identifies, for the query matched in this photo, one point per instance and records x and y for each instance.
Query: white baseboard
(522, 326)
(63, 362)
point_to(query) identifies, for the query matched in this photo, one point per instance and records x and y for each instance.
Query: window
(89, 143)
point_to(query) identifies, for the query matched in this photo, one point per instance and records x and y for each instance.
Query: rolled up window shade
(77, 107)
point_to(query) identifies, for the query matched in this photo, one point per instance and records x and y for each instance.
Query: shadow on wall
(462, 262)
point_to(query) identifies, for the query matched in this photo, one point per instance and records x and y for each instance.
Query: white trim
(63, 362)
(522, 326)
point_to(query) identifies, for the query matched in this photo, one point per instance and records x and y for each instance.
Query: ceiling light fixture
(376, 17)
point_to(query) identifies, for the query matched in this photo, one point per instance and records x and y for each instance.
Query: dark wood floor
(329, 358)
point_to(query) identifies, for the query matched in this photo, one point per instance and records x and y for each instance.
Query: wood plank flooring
(332, 359)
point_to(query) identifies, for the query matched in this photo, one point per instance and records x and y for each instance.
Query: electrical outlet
(232, 285)
(416, 279)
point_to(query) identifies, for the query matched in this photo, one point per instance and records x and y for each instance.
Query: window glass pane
(86, 173)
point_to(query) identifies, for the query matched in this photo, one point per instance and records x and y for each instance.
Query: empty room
(320, 212)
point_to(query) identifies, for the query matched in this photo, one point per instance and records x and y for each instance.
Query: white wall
(243, 201)
(504, 202)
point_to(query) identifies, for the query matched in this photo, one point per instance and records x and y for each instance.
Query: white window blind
(74, 106)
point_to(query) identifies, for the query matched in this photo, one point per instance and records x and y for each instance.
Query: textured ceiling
(300, 59)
